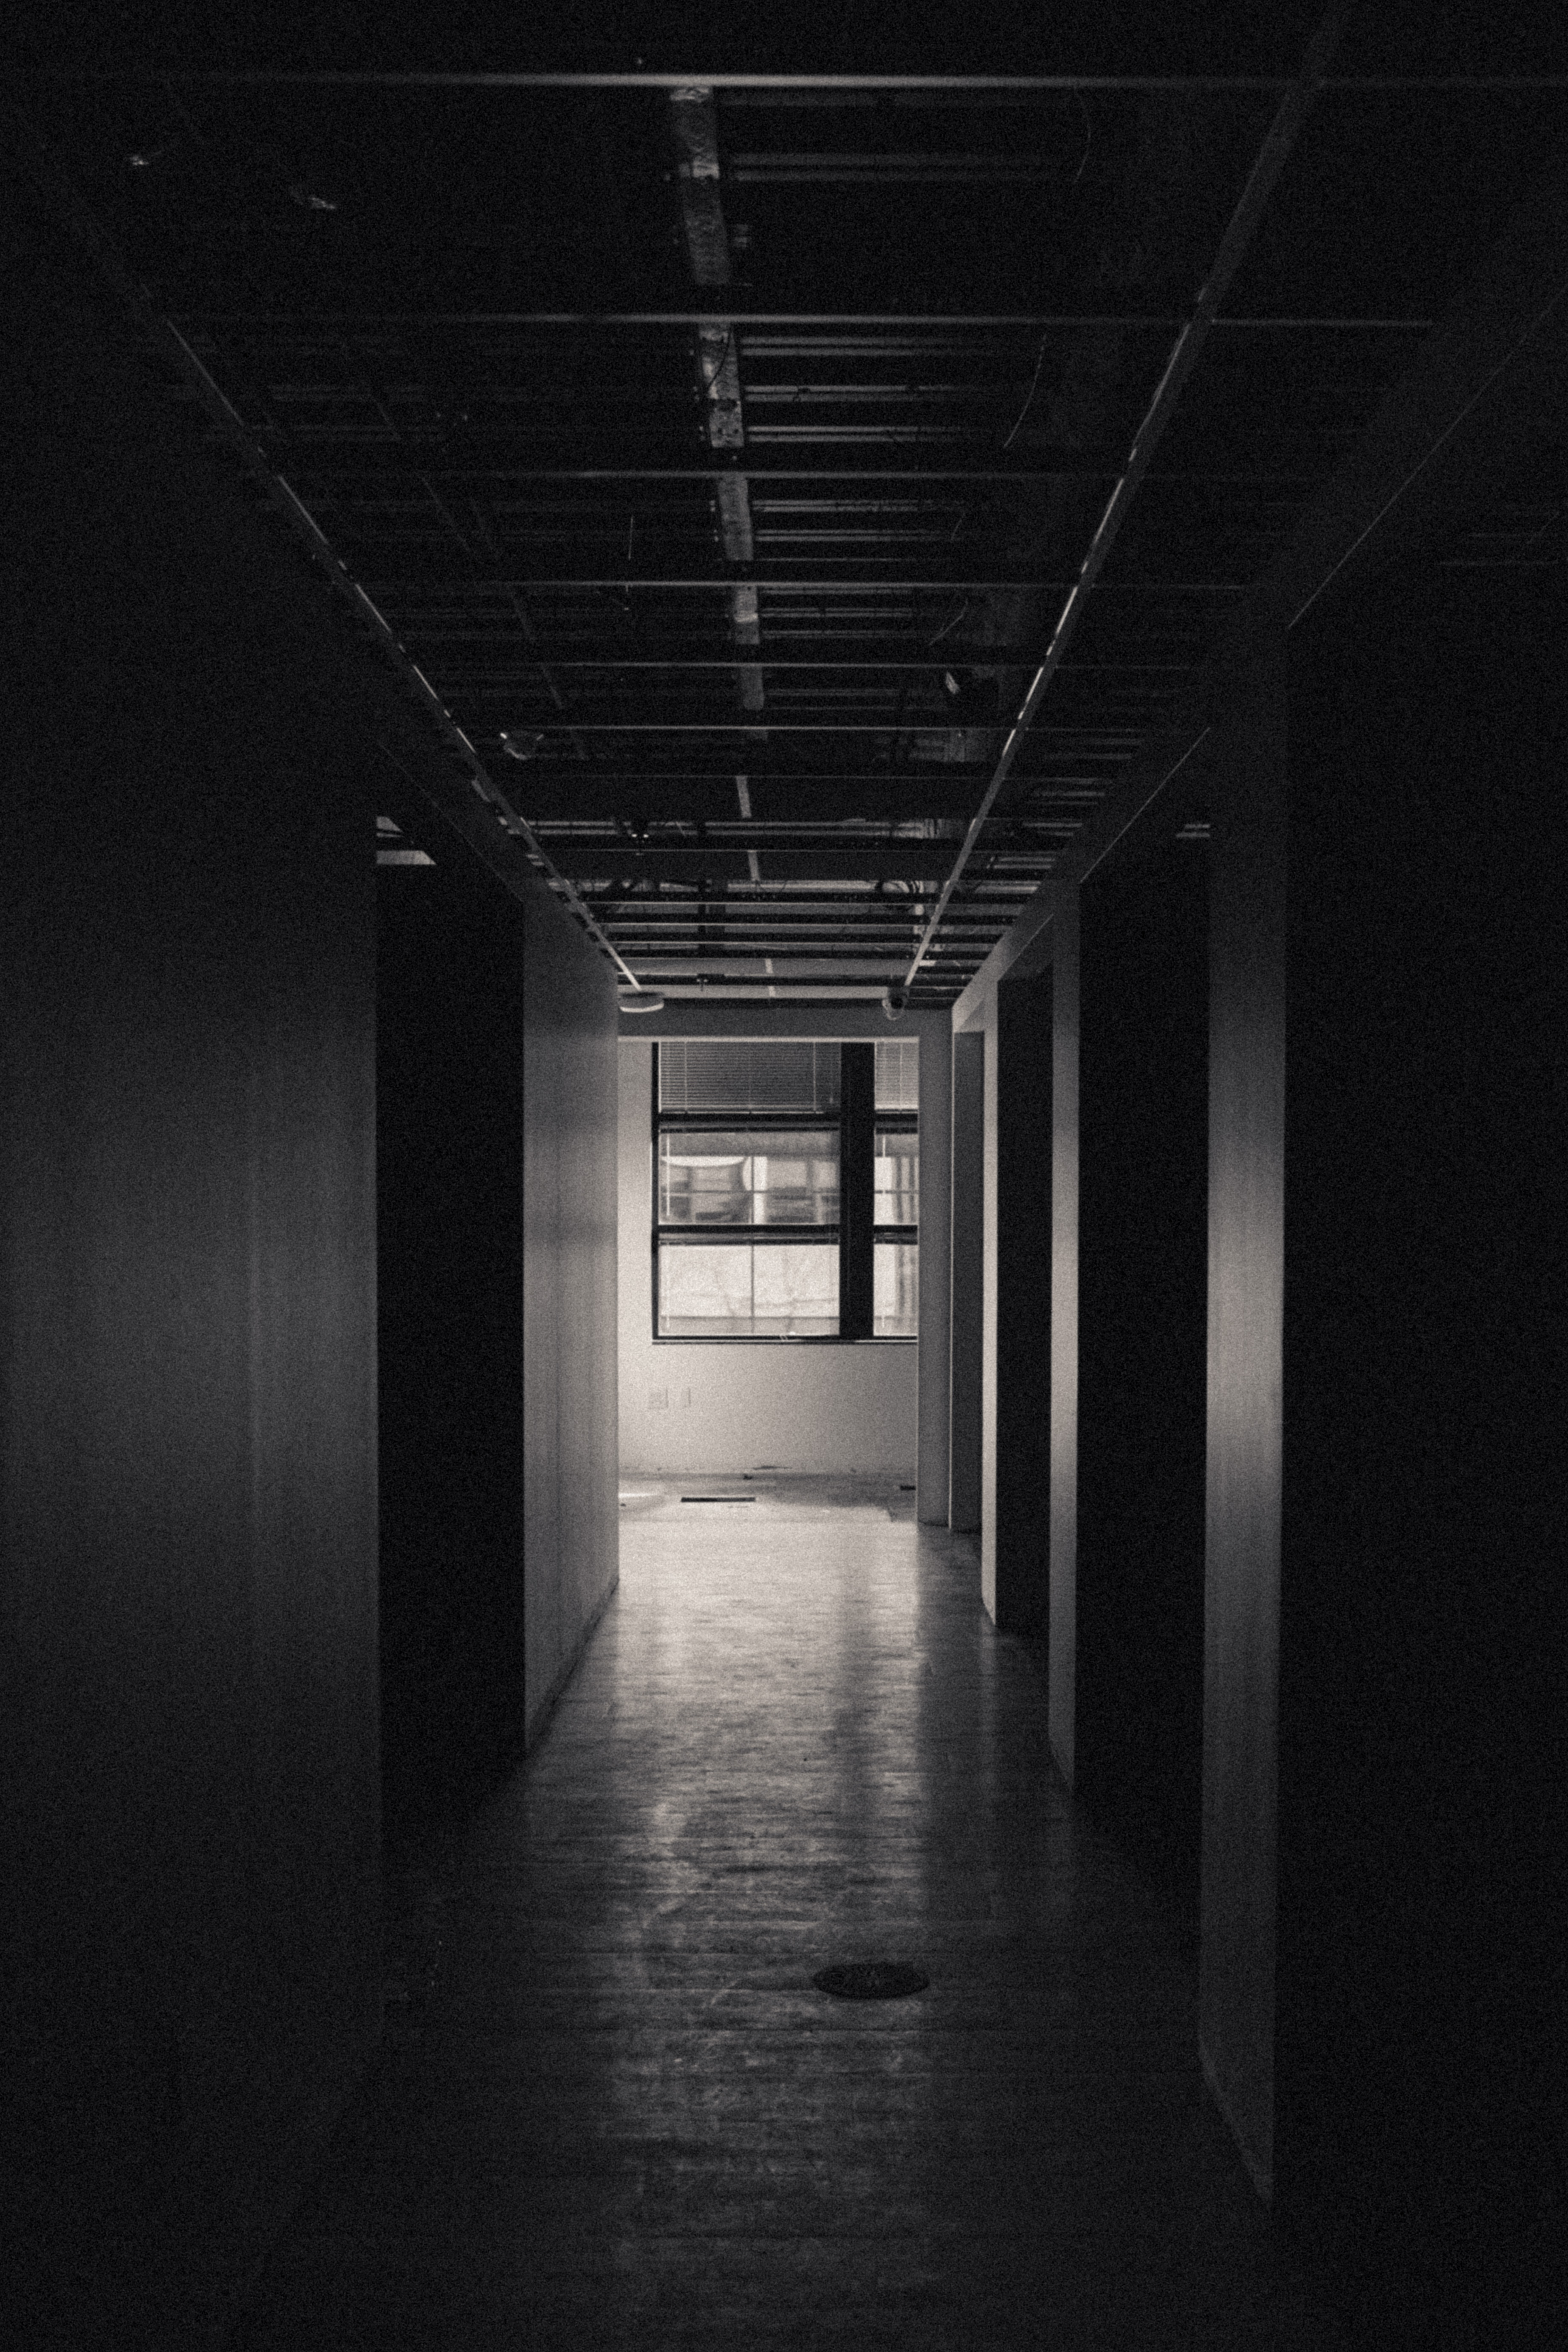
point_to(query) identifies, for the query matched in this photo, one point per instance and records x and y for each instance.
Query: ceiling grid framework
(809, 493)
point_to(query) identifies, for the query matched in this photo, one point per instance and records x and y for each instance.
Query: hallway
(614, 2110)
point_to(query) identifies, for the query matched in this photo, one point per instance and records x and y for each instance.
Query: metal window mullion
(732, 1236)
(857, 1191)
(710, 1123)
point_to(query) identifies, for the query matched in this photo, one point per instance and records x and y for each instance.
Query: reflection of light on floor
(778, 1494)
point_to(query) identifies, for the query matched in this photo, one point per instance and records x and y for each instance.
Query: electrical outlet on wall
(686, 1396)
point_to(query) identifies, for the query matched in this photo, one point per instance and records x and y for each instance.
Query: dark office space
(543, 558)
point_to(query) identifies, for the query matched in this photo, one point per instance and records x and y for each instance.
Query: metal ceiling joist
(923, 665)
(314, 460)
(1504, 349)
(1260, 183)
(795, 583)
(721, 314)
(1009, 85)
(395, 429)
(926, 722)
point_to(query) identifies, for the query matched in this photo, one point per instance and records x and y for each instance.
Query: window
(786, 1191)
(896, 1181)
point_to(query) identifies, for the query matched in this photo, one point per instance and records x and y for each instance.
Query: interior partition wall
(1015, 1464)
(932, 1463)
(1245, 1343)
(1383, 1878)
(497, 1247)
(1420, 2014)
(1142, 1250)
(1062, 1670)
(188, 1717)
(967, 1278)
(449, 1121)
(568, 1451)
(192, 1934)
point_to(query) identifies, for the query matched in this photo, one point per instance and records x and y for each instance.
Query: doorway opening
(769, 1260)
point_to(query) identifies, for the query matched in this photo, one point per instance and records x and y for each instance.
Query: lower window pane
(895, 1293)
(897, 1178)
(748, 1292)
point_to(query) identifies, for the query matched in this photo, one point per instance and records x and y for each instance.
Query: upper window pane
(897, 1180)
(739, 1075)
(748, 1177)
(898, 1073)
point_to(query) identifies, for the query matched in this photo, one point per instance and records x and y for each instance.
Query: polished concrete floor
(614, 2114)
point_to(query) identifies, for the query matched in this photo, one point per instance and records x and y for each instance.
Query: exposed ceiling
(807, 496)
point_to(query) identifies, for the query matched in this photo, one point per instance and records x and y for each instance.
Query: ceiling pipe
(1260, 182)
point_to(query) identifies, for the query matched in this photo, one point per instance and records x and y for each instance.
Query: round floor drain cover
(870, 1979)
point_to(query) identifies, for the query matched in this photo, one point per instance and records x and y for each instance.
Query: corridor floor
(614, 2114)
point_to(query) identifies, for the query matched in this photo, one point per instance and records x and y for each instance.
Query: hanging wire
(946, 627)
(1045, 339)
(728, 353)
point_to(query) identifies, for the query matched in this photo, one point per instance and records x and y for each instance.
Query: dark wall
(187, 1318)
(1018, 1128)
(449, 1124)
(1063, 1344)
(1245, 1346)
(968, 1279)
(1382, 1880)
(1420, 1990)
(496, 1207)
(1142, 1234)
(934, 1434)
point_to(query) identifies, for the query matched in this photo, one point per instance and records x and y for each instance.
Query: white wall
(733, 1407)
(571, 1523)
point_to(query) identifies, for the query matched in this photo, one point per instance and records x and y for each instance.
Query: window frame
(855, 1236)
(892, 1122)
